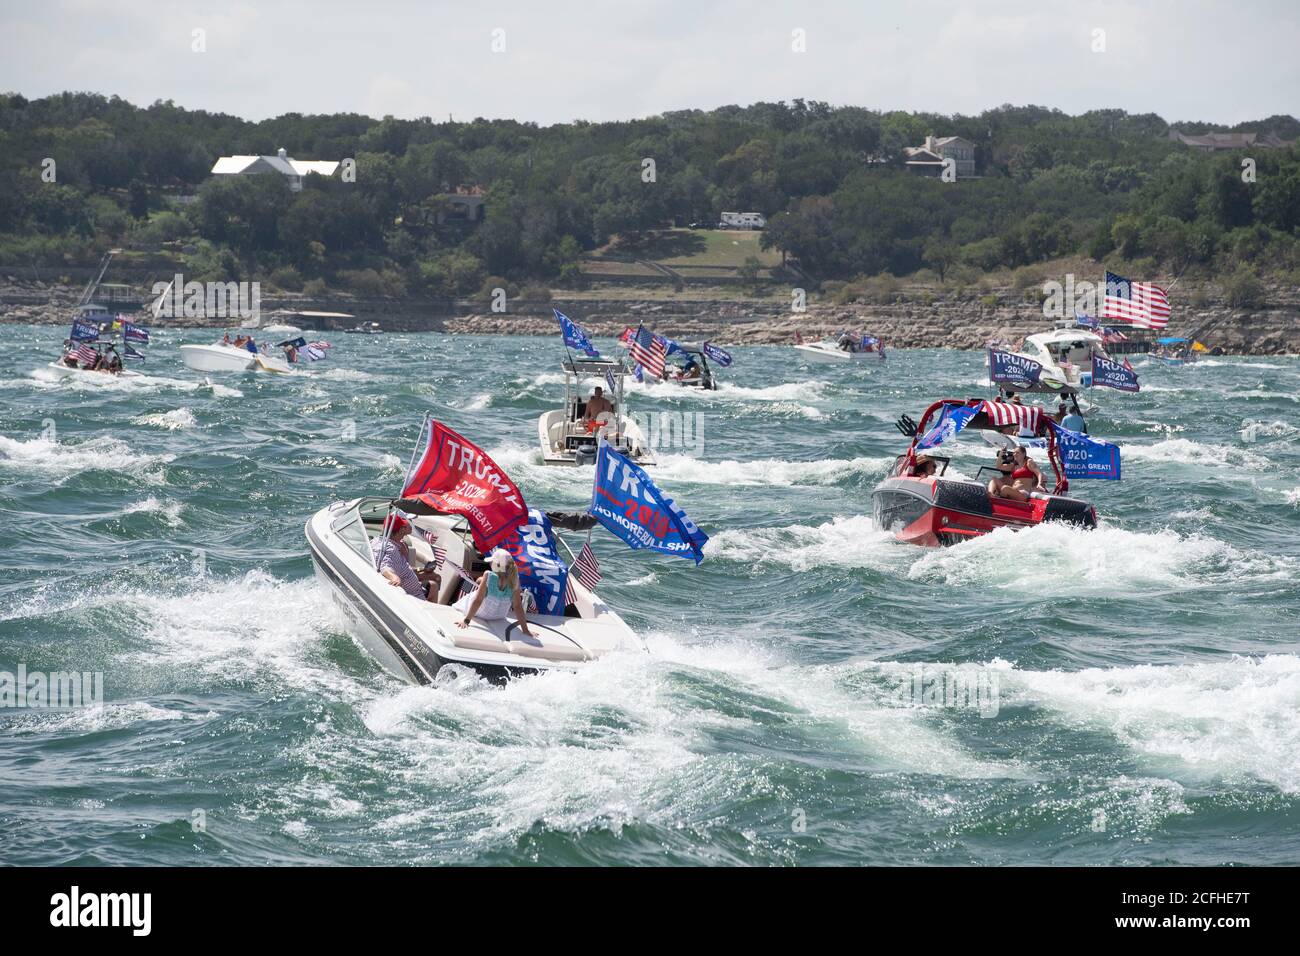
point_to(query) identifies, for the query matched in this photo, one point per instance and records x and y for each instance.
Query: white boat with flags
(458, 570)
(594, 408)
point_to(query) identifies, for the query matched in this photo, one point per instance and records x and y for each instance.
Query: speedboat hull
(414, 639)
(941, 511)
(227, 358)
(824, 352)
(67, 371)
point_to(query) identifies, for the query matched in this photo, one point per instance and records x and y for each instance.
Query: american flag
(609, 380)
(1009, 413)
(463, 576)
(85, 354)
(626, 338)
(1109, 336)
(439, 554)
(587, 568)
(649, 351)
(1143, 304)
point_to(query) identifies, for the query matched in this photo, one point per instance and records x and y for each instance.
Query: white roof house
(293, 169)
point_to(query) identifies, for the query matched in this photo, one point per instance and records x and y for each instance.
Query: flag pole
(388, 525)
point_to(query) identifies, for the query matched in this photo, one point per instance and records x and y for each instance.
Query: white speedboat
(414, 638)
(69, 371)
(1065, 354)
(220, 357)
(567, 438)
(831, 351)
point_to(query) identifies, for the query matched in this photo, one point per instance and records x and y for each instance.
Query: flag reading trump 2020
(1084, 457)
(1012, 369)
(455, 476)
(541, 569)
(632, 508)
(1114, 375)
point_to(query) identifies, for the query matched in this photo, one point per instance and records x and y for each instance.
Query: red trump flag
(455, 476)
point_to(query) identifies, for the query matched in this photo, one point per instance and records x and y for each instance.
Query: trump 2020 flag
(1114, 375)
(721, 356)
(574, 336)
(632, 508)
(952, 419)
(455, 476)
(81, 332)
(134, 333)
(1011, 369)
(541, 569)
(1084, 457)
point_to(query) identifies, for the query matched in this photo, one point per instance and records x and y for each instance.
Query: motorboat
(63, 370)
(365, 328)
(223, 356)
(845, 348)
(693, 371)
(920, 503)
(414, 639)
(1174, 351)
(1065, 354)
(564, 434)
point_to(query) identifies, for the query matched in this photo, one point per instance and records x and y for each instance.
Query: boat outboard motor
(584, 455)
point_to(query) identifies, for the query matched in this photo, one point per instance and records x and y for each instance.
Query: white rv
(742, 220)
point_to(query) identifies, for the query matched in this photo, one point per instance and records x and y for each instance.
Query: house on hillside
(928, 159)
(1214, 142)
(464, 204)
(294, 170)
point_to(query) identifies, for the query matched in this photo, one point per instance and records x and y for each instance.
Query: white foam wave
(767, 471)
(169, 511)
(1252, 431)
(1061, 559)
(845, 542)
(42, 456)
(1184, 451)
(176, 419)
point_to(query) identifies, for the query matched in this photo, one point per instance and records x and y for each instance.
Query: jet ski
(921, 504)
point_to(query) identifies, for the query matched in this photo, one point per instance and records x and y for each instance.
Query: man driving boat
(394, 562)
(597, 405)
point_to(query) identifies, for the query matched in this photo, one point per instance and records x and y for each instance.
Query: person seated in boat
(597, 405)
(1020, 476)
(225, 339)
(495, 595)
(393, 561)
(238, 343)
(925, 467)
(114, 363)
(845, 342)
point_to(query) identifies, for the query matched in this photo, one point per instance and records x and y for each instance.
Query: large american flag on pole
(1141, 303)
(85, 354)
(648, 350)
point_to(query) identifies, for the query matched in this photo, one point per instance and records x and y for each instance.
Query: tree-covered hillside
(831, 180)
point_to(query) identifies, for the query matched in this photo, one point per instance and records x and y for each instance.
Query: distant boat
(365, 328)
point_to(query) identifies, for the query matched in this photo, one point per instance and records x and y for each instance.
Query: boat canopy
(1172, 340)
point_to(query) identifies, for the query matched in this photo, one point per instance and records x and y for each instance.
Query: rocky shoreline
(918, 320)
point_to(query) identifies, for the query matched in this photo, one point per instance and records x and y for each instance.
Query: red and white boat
(935, 510)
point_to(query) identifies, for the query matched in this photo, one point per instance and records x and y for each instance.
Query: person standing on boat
(1074, 422)
(496, 593)
(392, 559)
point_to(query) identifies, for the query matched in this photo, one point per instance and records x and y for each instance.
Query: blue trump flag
(1114, 375)
(1084, 457)
(632, 508)
(952, 419)
(134, 333)
(574, 336)
(721, 356)
(541, 569)
(1007, 367)
(81, 332)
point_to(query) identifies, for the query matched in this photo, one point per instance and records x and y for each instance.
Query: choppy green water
(1147, 677)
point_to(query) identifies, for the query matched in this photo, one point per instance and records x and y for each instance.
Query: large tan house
(928, 159)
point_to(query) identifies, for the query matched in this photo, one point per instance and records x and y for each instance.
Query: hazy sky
(612, 59)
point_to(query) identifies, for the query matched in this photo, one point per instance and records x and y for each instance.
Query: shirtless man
(597, 404)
